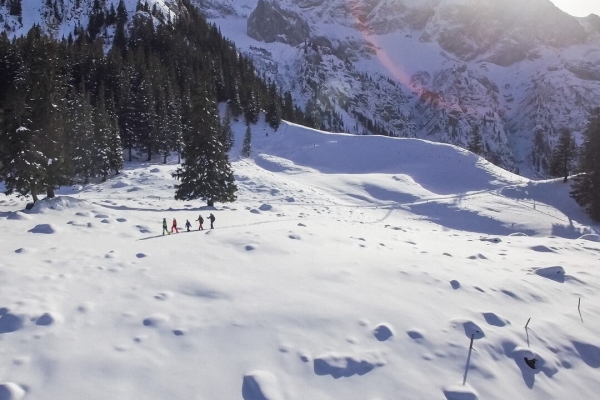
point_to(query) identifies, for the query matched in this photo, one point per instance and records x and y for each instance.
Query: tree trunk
(50, 192)
(117, 172)
(149, 154)
(33, 193)
(210, 202)
(165, 158)
(104, 177)
(566, 178)
(130, 154)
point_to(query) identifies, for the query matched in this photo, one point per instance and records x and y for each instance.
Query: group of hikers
(188, 225)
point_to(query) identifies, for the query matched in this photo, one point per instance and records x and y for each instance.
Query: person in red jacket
(174, 226)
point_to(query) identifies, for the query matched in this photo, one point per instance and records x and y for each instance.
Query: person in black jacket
(212, 220)
(200, 222)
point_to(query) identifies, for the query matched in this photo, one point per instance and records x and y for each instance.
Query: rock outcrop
(270, 23)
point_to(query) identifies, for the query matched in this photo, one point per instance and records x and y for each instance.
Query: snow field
(349, 268)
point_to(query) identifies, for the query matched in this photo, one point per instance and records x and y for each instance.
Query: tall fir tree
(21, 164)
(115, 155)
(586, 189)
(47, 109)
(563, 156)
(80, 130)
(274, 108)
(102, 133)
(475, 141)
(247, 145)
(226, 136)
(205, 172)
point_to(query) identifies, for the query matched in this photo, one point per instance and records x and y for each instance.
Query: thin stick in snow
(468, 360)
(579, 309)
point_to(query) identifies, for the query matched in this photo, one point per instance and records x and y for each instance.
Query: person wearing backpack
(200, 222)
(212, 220)
(188, 225)
(165, 229)
(174, 226)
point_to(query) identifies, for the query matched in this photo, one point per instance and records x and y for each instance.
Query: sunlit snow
(349, 268)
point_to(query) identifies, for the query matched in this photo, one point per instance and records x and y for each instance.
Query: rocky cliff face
(501, 32)
(270, 23)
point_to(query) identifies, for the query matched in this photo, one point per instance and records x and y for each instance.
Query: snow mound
(47, 319)
(265, 207)
(155, 320)
(459, 392)
(554, 273)
(19, 216)
(11, 391)
(383, 332)
(339, 365)
(46, 229)
(119, 185)
(10, 323)
(57, 204)
(261, 385)
(592, 237)
(470, 328)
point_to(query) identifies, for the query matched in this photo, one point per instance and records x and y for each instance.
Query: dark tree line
(586, 189)
(69, 107)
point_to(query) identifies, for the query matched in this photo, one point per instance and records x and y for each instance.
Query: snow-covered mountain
(518, 70)
(340, 273)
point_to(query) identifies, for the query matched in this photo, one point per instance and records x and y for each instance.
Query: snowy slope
(346, 270)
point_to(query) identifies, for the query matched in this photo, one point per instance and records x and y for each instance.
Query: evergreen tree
(145, 113)
(274, 108)
(586, 189)
(247, 145)
(80, 129)
(251, 105)
(226, 136)
(16, 8)
(120, 40)
(47, 108)
(475, 142)
(115, 149)
(102, 131)
(124, 104)
(287, 112)
(21, 163)
(564, 155)
(205, 172)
